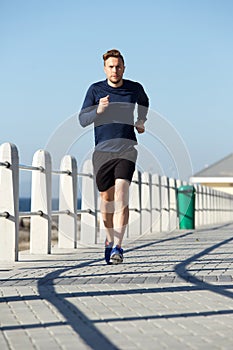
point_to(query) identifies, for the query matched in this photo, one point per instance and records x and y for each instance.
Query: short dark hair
(112, 53)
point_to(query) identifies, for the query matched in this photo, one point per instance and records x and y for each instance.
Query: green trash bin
(186, 207)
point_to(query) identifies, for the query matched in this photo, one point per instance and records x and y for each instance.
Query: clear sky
(180, 50)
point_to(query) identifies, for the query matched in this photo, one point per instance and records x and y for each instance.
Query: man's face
(114, 69)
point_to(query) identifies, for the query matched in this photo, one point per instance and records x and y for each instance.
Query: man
(110, 105)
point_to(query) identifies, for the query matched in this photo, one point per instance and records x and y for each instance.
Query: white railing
(153, 204)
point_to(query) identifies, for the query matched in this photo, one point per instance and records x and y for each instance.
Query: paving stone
(170, 292)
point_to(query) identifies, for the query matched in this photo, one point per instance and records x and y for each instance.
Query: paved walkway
(173, 291)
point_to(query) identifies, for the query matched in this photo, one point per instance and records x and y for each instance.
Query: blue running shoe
(107, 252)
(116, 256)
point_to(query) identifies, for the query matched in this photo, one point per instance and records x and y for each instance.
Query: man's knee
(107, 201)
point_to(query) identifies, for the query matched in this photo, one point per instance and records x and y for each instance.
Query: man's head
(114, 67)
(113, 53)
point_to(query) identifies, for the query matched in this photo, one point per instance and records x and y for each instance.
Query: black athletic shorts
(109, 166)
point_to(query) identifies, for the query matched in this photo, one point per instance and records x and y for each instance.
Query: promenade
(173, 291)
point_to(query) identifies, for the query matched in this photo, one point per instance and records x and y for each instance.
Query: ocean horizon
(25, 204)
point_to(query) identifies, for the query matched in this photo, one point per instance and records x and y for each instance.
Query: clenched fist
(103, 104)
(139, 125)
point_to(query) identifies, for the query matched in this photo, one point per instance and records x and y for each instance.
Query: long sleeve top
(114, 128)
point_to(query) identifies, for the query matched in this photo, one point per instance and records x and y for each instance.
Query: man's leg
(107, 211)
(115, 214)
(121, 214)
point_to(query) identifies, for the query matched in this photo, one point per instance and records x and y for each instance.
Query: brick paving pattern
(173, 291)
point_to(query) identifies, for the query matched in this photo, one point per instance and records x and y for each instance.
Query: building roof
(222, 168)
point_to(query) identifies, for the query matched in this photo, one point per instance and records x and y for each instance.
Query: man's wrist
(140, 121)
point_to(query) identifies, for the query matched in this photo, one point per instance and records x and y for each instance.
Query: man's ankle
(108, 244)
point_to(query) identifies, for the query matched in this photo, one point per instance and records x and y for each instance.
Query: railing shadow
(180, 269)
(87, 329)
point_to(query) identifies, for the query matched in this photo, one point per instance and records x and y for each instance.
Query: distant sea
(25, 204)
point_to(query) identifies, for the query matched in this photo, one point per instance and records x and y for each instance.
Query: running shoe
(116, 256)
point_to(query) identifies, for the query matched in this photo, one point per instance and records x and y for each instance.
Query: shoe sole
(116, 259)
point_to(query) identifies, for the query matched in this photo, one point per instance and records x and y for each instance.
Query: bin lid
(187, 189)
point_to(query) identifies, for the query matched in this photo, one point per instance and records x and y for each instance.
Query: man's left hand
(139, 125)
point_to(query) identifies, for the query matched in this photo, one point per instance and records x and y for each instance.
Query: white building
(218, 175)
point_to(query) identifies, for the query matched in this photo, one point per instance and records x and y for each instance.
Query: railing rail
(30, 168)
(152, 204)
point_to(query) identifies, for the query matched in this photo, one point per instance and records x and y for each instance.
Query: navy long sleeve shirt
(114, 128)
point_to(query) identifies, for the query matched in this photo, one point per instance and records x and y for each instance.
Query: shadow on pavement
(86, 328)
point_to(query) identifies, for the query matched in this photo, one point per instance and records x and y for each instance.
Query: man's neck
(115, 85)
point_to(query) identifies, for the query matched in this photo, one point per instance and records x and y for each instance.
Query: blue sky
(180, 50)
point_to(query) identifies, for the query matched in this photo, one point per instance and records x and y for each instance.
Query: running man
(110, 105)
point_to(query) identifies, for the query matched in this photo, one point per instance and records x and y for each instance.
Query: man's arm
(143, 105)
(88, 112)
